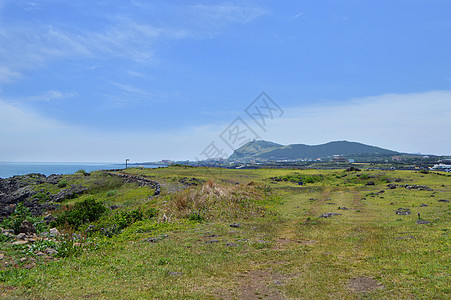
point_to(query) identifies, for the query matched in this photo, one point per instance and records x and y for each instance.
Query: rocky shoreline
(23, 188)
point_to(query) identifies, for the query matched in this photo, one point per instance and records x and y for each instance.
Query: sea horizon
(10, 169)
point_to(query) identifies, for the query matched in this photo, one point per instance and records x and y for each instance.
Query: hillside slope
(264, 150)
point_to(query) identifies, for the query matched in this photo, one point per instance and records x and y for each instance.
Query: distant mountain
(264, 150)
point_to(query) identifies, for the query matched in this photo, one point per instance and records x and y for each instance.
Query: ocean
(9, 169)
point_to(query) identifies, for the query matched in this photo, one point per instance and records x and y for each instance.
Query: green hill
(264, 150)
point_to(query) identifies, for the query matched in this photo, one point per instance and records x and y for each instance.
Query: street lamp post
(126, 160)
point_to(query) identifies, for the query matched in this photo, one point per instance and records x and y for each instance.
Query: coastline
(10, 169)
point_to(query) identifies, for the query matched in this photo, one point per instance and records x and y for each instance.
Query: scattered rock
(212, 241)
(175, 273)
(8, 232)
(443, 200)
(49, 218)
(236, 225)
(69, 193)
(20, 242)
(39, 253)
(421, 221)
(330, 203)
(50, 251)
(370, 183)
(410, 187)
(329, 214)
(423, 205)
(155, 239)
(231, 245)
(23, 259)
(53, 232)
(21, 236)
(343, 208)
(27, 227)
(139, 181)
(211, 235)
(392, 186)
(403, 211)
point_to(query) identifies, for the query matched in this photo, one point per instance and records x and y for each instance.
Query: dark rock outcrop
(20, 188)
(140, 181)
(69, 193)
(27, 227)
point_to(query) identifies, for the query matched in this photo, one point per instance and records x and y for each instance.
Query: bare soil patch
(364, 284)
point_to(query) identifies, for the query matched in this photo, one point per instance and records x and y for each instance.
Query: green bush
(196, 217)
(82, 212)
(62, 183)
(41, 197)
(110, 225)
(111, 193)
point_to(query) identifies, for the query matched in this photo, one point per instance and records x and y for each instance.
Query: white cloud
(7, 75)
(53, 95)
(31, 45)
(226, 13)
(26, 136)
(403, 122)
(407, 123)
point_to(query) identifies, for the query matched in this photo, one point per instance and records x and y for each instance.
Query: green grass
(286, 252)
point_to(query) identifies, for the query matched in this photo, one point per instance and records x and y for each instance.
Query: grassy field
(250, 234)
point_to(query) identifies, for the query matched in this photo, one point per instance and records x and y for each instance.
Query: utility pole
(126, 160)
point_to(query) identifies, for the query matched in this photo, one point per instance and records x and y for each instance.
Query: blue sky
(151, 80)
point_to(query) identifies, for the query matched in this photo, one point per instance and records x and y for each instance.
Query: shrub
(62, 183)
(41, 197)
(111, 193)
(82, 212)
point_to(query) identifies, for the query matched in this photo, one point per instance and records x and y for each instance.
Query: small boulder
(423, 205)
(50, 251)
(20, 243)
(343, 208)
(49, 218)
(403, 211)
(443, 200)
(421, 221)
(53, 232)
(21, 236)
(391, 186)
(329, 214)
(236, 225)
(212, 241)
(27, 227)
(370, 183)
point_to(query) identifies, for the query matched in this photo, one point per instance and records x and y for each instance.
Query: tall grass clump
(214, 201)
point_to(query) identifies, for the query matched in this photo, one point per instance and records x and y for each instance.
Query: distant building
(339, 159)
(396, 158)
(442, 167)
